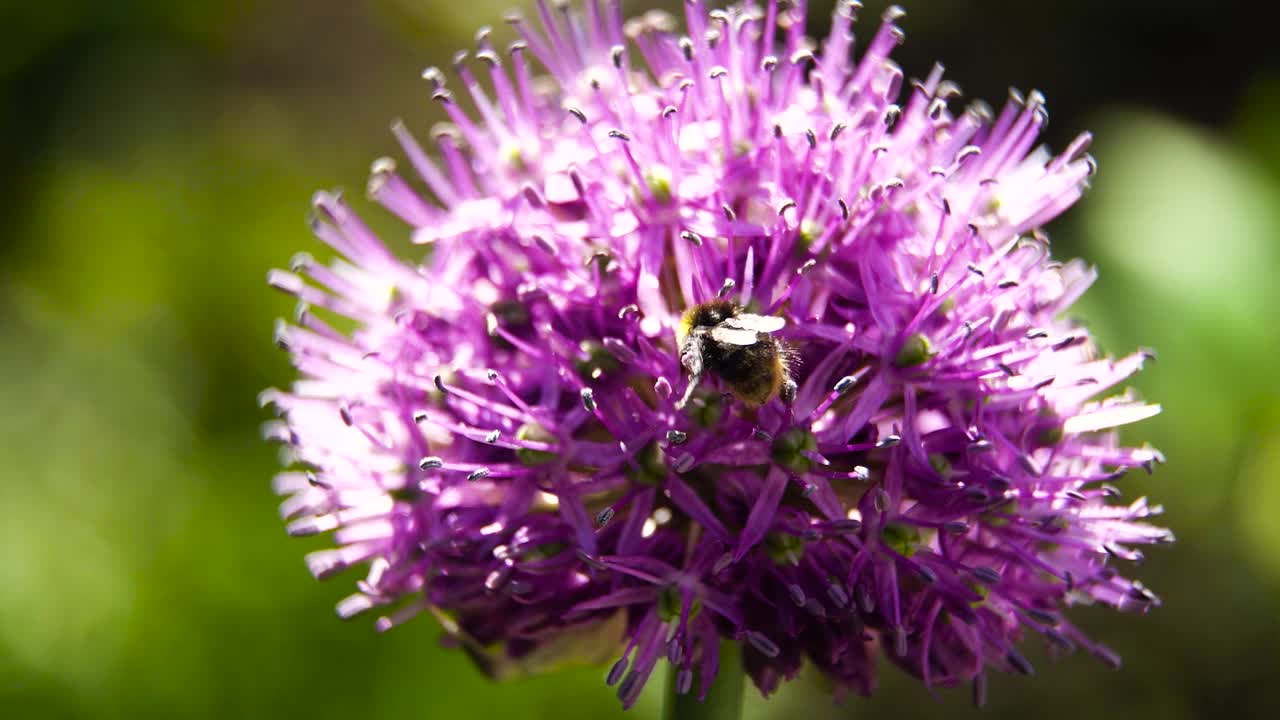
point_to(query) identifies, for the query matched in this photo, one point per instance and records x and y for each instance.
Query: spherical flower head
(717, 336)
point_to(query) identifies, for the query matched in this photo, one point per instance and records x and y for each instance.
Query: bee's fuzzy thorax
(705, 314)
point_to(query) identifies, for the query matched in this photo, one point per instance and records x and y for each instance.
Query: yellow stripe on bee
(686, 324)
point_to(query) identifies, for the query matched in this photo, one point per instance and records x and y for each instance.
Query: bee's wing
(758, 323)
(722, 333)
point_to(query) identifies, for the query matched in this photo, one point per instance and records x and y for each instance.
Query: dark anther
(846, 526)
(1059, 640)
(435, 77)
(686, 48)
(986, 575)
(616, 672)
(763, 644)
(604, 516)
(1041, 617)
(880, 499)
(837, 595)
(1019, 663)
(845, 383)
(691, 237)
(980, 690)
(532, 196)
(1140, 592)
(675, 652)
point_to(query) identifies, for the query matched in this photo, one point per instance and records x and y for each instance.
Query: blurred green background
(158, 158)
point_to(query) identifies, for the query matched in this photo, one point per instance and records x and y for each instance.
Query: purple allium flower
(498, 436)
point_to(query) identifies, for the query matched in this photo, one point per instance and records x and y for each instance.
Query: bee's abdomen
(753, 372)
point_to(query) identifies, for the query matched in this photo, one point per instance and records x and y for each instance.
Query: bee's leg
(688, 391)
(691, 359)
(691, 354)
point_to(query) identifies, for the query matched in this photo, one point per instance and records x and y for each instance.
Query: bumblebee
(717, 337)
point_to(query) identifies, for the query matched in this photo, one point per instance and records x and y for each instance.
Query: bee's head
(708, 314)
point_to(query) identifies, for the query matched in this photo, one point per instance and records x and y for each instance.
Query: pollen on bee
(491, 529)
(649, 528)
(549, 500)
(854, 514)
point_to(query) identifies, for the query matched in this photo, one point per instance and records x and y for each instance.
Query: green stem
(724, 699)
